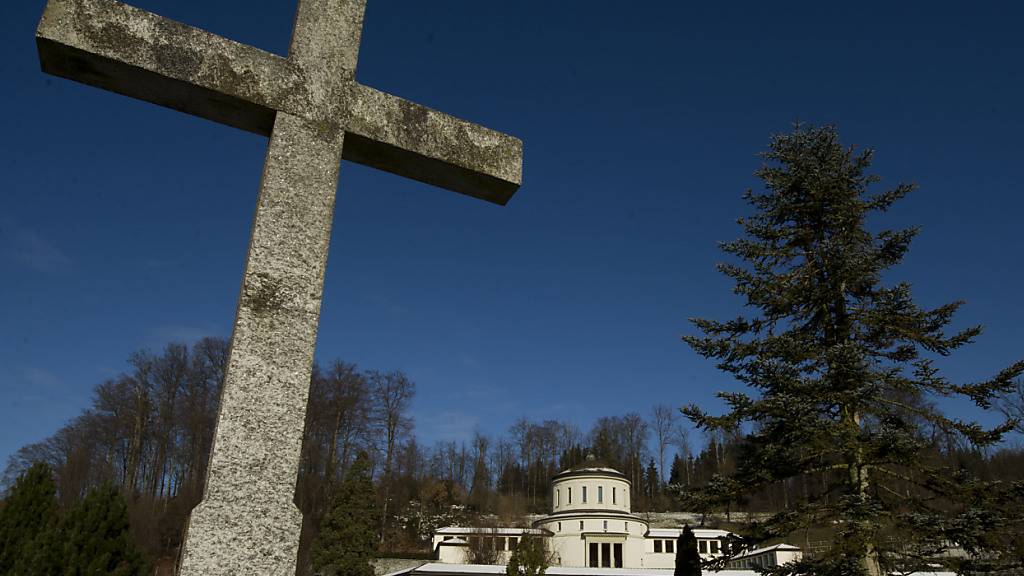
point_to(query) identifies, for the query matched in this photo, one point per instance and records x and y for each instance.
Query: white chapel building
(591, 526)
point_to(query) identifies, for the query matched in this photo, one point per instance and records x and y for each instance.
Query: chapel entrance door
(604, 553)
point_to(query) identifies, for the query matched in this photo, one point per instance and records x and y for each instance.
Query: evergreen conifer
(653, 482)
(530, 558)
(28, 512)
(348, 535)
(677, 474)
(687, 556)
(95, 537)
(843, 375)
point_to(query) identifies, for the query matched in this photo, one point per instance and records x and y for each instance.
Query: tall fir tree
(843, 374)
(687, 555)
(348, 537)
(26, 515)
(95, 538)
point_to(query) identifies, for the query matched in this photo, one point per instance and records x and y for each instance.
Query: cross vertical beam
(315, 114)
(247, 522)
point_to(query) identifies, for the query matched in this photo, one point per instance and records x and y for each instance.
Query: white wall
(603, 493)
(452, 554)
(569, 542)
(768, 558)
(461, 555)
(457, 548)
(664, 559)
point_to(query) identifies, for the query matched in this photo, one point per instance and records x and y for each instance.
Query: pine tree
(28, 512)
(842, 371)
(530, 558)
(687, 556)
(95, 537)
(348, 534)
(652, 483)
(677, 474)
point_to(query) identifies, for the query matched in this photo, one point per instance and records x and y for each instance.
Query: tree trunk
(859, 486)
(135, 443)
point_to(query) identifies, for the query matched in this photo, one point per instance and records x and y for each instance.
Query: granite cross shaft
(315, 114)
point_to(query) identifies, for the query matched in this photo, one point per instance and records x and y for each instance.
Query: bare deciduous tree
(392, 393)
(1012, 405)
(664, 421)
(481, 483)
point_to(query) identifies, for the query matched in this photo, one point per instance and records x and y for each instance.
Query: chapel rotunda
(590, 521)
(590, 525)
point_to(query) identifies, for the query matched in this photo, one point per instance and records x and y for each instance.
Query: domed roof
(585, 470)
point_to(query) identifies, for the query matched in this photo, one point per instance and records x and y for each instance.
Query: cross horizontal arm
(119, 48)
(405, 138)
(111, 45)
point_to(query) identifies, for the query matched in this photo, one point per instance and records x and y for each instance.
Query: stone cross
(315, 114)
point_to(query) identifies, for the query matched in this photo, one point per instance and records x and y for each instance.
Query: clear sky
(124, 225)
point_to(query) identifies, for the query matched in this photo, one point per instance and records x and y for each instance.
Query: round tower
(591, 489)
(590, 521)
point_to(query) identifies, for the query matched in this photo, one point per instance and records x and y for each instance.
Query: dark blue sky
(124, 225)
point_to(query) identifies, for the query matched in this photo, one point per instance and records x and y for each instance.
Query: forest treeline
(148, 433)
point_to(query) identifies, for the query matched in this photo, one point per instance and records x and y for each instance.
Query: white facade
(710, 545)
(766, 557)
(440, 569)
(454, 545)
(590, 521)
(590, 525)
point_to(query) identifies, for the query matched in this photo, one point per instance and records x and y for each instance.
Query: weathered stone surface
(247, 522)
(126, 50)
(393, 134)
(315, 114)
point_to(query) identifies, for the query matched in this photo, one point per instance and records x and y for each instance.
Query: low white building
(455, 545)
(766, 557)
(439, 569)
(590, 525)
